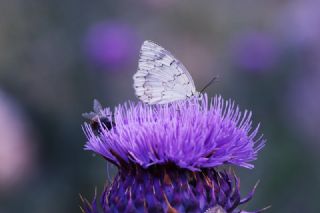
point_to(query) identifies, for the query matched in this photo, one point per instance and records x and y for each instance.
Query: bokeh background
(57, 56)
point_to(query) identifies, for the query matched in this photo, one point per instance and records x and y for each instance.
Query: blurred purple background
(56, 57)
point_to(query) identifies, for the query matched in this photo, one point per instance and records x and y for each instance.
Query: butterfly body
(161, 78)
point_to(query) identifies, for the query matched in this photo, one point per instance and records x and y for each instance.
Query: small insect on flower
(161, 78)
(100, 119)
(216, 209)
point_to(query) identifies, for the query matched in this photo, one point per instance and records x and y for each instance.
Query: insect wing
(161, 78)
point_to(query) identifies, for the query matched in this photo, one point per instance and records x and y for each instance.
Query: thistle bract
(167, 156)
(171, 189)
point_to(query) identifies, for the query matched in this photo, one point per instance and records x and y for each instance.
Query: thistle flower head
(192, 134)
(167, 155)
(110, 45)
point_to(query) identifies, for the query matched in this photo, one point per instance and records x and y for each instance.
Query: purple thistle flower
(167, 156)
(198, 134)
(298, 22)
(254, 51)
(111, 44)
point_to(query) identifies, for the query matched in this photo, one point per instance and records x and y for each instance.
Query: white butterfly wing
(161, 78)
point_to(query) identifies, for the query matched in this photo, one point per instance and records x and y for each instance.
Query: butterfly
(100, 118)
(161, 78)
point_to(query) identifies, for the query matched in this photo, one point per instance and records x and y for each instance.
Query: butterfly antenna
(208, 84)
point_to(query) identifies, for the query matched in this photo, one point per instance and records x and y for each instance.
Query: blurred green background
(57, 56)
